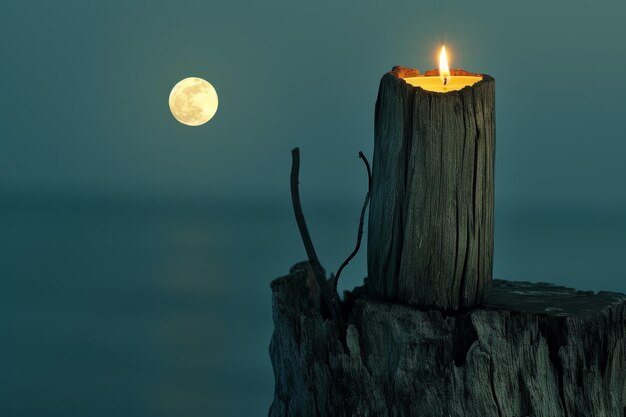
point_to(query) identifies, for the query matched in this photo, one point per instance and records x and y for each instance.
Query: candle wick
(445, 80)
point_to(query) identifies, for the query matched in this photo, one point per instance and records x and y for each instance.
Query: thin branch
(297, 209)
(369, 171)
(361, 220)
(330, 298)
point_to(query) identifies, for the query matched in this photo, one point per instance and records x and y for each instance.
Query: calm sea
(136, 308)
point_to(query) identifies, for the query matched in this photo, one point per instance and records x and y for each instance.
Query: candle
(443, 80)
(430, 234)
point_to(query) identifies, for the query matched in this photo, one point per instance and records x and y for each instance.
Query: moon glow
(193, 101)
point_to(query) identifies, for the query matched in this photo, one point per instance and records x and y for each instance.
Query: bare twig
(361, 220)
(329, 297)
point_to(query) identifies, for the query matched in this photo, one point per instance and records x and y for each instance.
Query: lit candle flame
(444, 70)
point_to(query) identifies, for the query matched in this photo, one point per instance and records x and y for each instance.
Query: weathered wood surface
(534, 350)
(430, 234)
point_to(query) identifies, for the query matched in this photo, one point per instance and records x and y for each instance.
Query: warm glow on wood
(443, 80)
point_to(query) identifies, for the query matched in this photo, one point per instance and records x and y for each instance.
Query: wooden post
(430, 236)
(534, 350)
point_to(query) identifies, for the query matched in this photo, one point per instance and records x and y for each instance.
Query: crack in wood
(493, 388)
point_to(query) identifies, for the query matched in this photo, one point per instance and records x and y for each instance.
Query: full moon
(193, 101)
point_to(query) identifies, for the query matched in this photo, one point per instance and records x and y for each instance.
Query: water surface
(137, 308)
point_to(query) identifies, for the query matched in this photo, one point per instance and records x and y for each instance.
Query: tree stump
(533, 350)
(430, 235)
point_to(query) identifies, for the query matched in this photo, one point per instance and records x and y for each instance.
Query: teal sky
(118, 301)
(85, 86)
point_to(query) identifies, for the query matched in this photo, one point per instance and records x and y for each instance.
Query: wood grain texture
(430, 236)
(533, 350)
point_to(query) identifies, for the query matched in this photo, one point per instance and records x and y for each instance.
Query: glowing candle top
(443, 80)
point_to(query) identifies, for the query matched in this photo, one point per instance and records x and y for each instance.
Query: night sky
(85, 88)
